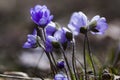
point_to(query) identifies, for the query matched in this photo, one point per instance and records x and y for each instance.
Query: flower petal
(95, 18)
(60, 36)
(50, 29)
(27, 45)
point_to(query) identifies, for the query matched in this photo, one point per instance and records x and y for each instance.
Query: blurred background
(15, 24)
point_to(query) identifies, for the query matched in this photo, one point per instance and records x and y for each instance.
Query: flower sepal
(83, 30)
(57, 25)
(69, 36)
(92, 26)
(55, 44)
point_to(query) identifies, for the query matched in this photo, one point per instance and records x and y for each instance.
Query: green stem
(66, 72)
(90, 54)
(51, 64)
(73, 59)
(78, 77)
(82, 66)
(84, 56)
(53, 58)
(48, 55)
(65, 58)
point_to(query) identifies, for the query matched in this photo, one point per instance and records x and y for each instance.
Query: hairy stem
(53, 58)
(73, 59)
(48, 55)
(90, 54)
(65, 58)
(84, 57)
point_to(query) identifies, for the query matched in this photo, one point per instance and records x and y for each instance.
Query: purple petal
(73, 29)
(34, 32)
(60, 36)
(43, 21)
(84, 19)
(50, 29)
(95, 18)
(48, 45)
(101, 26)
(27, 45)
(47, 13)
(77, 21)
(37, 8)
(50, 17)
(31, 39)
(52, 38)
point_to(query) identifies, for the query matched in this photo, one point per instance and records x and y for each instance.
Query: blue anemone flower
(99, 25)
(41, 15)
(60, 76)
(31, 40)
(52, 41)
(54, 37)
(78, 20)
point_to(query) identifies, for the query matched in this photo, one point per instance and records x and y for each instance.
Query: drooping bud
(60, 64)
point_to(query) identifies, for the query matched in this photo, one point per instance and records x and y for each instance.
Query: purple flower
(99, 25)
(80, 24)
(60, 76)
(78, 20)
(31, 40)
(53, 41)
(41, 15)
(54, 37)
(61, 64)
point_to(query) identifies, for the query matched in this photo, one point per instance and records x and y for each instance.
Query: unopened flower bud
(60, 64)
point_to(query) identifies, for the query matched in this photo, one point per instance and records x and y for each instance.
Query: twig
(18, 77)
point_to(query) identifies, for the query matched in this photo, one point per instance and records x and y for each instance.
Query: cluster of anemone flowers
(50, 36)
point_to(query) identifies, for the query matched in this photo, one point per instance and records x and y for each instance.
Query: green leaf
(96, 61)
(72, 75)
